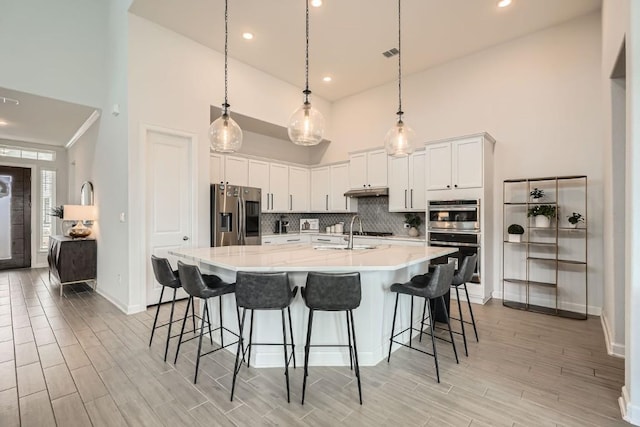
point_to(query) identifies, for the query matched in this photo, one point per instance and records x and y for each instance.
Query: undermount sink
(343, 247)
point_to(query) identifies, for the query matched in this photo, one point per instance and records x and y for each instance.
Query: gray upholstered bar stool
(462, 276)
(433, 285)
(168, 278)
(264, 291)
(333, 292)
(204, 287)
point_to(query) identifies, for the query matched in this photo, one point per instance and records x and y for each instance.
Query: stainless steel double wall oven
(456, 223)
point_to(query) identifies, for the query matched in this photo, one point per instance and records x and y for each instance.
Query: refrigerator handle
(240, 219)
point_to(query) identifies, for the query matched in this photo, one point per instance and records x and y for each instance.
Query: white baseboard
(475, 299)
(578, 308)
(614, 349)
(630, 412)
(125, 309)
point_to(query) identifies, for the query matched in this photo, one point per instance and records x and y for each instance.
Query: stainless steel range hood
(368, 192)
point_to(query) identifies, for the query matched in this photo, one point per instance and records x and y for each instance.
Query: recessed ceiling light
(316, 3)
(3, 123)
(247, 36)
(327, 79)
(504, 3)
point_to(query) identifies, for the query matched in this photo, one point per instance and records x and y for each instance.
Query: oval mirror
(86, 193)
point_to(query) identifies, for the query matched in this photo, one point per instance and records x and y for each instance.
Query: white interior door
(170, 201)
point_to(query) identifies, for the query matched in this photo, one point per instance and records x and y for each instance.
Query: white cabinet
(259, 177)
(236, 170)
(286, 239)
(456, 164)
(319, 239)
(368, 169)
(216, 168)
(407, 183)
(279, 187)
(298, 189)
(328, 185)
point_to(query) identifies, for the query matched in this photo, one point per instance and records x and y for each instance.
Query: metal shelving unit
(546, 251)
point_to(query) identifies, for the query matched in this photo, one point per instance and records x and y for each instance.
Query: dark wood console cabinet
(72, 260)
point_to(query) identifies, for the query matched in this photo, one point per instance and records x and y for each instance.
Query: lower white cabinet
(286, 239)
(318, 239)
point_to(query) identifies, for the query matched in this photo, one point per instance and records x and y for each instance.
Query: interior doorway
(15, 217)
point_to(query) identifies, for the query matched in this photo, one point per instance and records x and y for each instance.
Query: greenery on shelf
(413, 220)
(536, 193)
(575, 218)
(515, 229)
(547, 210)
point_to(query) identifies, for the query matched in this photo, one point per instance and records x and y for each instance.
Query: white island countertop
(305, 257)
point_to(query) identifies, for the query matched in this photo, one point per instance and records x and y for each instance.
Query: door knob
(185, 238)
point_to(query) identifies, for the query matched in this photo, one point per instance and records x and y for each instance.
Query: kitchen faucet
(350, 245)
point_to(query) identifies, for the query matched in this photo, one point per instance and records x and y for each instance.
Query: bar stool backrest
(333, 291)
(440, 280)
(263, 291)
(164, 273)
(191, 279)
(465, 272)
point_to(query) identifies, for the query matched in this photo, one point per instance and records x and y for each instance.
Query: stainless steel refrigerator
(235, 215)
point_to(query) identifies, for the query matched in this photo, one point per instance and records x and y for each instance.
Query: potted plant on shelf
(542, 215)
(536, 194)
(515, 233)
(414, 222)
(575, 218)
(66, 225)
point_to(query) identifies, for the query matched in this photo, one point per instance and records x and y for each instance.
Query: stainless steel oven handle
(465, 208)
(461, 244)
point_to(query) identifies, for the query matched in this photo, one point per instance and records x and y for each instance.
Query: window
(47, 201)
(23, 153)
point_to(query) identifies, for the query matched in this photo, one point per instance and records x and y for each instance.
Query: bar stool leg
(286, 358)
(349, 338)
(237, 366)
(221, 330)
(184, 322)
(424, 312)
(206, 312)
(193, 314)
(393, 325)
(355, 354)
(208, 321)
(411, 325)
(473, 320)
(240, 330)
(464, 335)
(173, 305)
(453, 343)
(293, 345)
(306, 355)
(153, 329)
(250, 338)
(433, 340)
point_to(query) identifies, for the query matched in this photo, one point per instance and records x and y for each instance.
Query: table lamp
(79, 213)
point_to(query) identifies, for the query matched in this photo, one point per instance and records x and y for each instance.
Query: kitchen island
(379, 268)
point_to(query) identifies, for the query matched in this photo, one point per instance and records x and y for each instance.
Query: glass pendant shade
(399, 140)
(225, 135)
(306, 126)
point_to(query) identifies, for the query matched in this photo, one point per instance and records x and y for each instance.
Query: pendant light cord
(400, 112)
(306, 90)
(226, 105)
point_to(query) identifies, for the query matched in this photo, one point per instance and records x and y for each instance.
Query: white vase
(413, 232)
(515, 238)
(542, 221)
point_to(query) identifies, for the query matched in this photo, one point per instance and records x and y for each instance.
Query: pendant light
(306, 125)
(399, 140)
(225, 135)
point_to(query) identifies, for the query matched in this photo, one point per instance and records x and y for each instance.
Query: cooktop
(371, 233)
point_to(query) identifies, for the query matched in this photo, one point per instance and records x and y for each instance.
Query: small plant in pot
(414, 222)
(515, 233)
(575, 218)
(542, 215)
(536, 194)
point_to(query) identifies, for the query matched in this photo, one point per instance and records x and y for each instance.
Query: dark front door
(15, 217)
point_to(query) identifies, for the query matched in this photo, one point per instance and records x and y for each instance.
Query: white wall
(173, 82)
(538, 96)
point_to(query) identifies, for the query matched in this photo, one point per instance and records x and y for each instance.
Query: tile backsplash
(374, 212)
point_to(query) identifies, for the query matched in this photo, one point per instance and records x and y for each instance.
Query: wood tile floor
(77, 360)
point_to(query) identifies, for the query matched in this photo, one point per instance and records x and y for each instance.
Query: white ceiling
(347, 37)
(40, 120)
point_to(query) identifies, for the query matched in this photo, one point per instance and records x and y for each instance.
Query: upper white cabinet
(407, 183)
(368, 169)
(328, 185)
(298, 189)
(236, 170)
(216, 168)
(457, 164)
(279, 187)
(259, 177)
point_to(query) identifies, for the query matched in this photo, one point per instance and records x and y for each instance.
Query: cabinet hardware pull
(346, 207)
(448, 186)
(290, 202)
(456, 185)
(324, 240)
(326, 201)
(293, 240)
(405, 198)
(412, 198)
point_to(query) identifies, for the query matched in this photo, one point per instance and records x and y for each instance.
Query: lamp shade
(79, 213)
